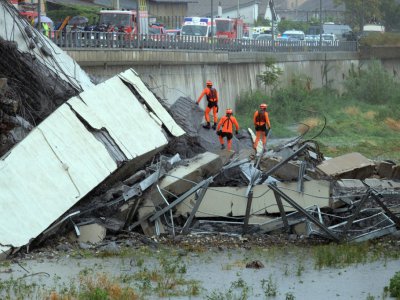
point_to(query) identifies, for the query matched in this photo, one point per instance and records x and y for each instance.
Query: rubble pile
(290, 189)
(187, 186)
(112, 161)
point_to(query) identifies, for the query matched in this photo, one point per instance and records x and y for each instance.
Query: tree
(391, 14)
(262, 22)
(271, 75)
(360, 12)
(289, 25)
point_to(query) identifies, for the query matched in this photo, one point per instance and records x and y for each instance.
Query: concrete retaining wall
(171, 74)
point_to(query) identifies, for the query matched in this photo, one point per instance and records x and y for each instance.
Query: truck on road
(229, 28)
(128, 21)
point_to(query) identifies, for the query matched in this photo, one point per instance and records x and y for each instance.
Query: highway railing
(91, 39)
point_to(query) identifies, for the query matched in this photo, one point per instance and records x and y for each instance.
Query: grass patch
(239, 289)
(342, 255)
(381, 39)
(269, 286)
(365, 118)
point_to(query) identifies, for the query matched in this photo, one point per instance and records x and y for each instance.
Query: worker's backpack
(213, 95)
(261, 116)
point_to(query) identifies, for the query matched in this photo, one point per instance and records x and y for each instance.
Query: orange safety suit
(224, 129)
(212, 99)
(262, 126)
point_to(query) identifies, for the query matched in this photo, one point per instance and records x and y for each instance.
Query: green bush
(372, 85)
(287, 106)
(394, 286)
(381, 39)
(364, 119)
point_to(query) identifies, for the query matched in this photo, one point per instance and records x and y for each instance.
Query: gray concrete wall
(171, 74)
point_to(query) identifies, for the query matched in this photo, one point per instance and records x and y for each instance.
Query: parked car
(173, 32)
(294, 35)
(157, 33)
(264, 37)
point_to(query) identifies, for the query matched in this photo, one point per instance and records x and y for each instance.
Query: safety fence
(91, 39)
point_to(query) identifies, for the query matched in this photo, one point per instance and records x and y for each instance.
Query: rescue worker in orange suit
(225, 128)
(262, 126)
(212, 104)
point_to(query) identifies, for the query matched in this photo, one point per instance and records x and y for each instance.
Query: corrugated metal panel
(131, 77)
(63, 158)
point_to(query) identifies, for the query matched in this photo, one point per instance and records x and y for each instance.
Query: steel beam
(303, 211)
(188, 222)
(181, 198)
(248, 208)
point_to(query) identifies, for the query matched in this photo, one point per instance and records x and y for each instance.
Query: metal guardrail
(91, 39)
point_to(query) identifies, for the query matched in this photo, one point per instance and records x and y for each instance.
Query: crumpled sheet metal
(66, 156)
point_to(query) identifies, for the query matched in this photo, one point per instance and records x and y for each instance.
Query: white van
(329, 39)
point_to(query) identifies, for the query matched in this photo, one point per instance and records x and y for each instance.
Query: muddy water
(223, 274)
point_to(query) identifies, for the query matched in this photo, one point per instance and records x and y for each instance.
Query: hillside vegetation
(365, 119)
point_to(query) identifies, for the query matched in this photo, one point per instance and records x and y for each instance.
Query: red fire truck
(230, 28)
(124, 21)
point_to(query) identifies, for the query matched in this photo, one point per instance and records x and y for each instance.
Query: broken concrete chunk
(92, 233)
(182, 178)
(396, 172)
(289, 171)
(354, 186)
(300, 228)
(385, 169)
(352, 165)
(217, 202)
(144, 211)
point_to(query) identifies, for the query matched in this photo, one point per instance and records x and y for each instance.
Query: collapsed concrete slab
(29, 41)
(190, 116)
(75, 149)
(39, 77)
(231, 201)
(351, 165)
(355, 186)
(151, 101)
